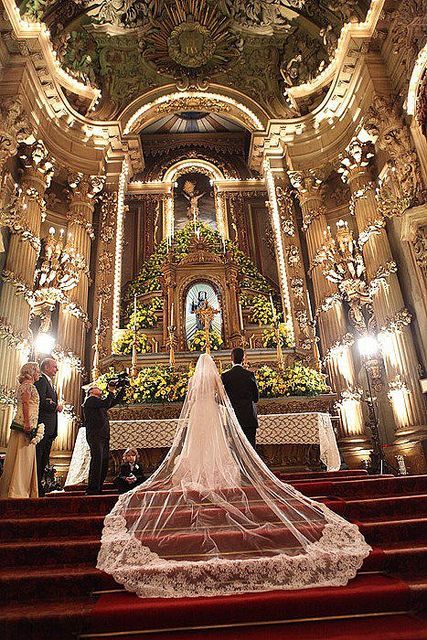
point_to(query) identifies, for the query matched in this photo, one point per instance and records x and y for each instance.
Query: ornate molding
(21, 286)
(12, 337)
(396, 323)
(381, 276)
(402, 185)
(12, 216)
(15, 127)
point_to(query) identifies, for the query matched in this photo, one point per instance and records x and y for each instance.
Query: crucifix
(205, 314)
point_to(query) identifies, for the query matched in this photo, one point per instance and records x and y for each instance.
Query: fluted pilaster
(292, 277)
(73, 319)
(331, 318)
(392, 319)
(23, 216)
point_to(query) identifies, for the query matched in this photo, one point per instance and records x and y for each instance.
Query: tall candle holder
(279, 350)
(171, 334)
(96, 372)
(134, 363)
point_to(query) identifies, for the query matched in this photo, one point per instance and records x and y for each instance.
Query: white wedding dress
(213, 519)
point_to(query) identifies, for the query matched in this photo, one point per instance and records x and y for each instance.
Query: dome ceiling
(260, 47)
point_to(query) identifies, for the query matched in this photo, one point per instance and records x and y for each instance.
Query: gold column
(392, 318)
(332, 321)
(291, 272)
(23, 216)
(73, 319)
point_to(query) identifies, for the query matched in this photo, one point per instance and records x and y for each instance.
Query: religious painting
(198, 294)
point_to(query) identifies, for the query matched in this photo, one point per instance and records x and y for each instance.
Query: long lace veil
(214, 520)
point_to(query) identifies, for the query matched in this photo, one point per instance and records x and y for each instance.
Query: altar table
(284, 428)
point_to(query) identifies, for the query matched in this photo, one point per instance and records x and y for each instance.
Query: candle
(273, 310)
(240, 317)
(223, 246)
(134, 311)
(98, 325)
(171, 323)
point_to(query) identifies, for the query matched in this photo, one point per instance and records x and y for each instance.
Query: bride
(214, 520)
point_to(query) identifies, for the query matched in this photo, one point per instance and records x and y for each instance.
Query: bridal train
(214, 520)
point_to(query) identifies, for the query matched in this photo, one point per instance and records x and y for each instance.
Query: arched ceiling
(192, 122)
(259, 47)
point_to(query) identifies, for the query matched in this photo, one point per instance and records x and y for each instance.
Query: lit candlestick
(241, 316)
(224, 249)
(134, 311)
(171, 322)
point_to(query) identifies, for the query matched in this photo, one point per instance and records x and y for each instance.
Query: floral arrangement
(125, 342)
(296, 380)
(198, 343)
(145, 316)
(163, 384)
(269, 336)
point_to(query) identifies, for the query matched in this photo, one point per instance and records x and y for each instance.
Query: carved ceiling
(259, 47)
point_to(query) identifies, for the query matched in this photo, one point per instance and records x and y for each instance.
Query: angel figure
(189, 192)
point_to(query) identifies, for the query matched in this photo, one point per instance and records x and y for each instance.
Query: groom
(241, 388)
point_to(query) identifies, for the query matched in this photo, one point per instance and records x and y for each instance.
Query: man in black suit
(97, 423)
(48, 415)
(241, 388)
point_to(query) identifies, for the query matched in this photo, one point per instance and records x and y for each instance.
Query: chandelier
(342, 263)
(58, 272)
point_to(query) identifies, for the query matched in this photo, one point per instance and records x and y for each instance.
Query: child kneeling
(130, 471)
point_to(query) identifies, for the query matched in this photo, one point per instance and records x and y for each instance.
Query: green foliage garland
(148, 279)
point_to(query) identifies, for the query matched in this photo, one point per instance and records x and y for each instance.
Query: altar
(314, 428)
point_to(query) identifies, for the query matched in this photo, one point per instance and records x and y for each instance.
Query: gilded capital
(384, 123)
(84, 187)
(308, 186)
(307, 183)
(357, 156)
(15, 127)
(35, 157)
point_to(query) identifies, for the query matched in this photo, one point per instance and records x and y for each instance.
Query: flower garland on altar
(164, 384)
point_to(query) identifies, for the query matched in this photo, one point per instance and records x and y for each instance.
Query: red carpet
(47, 575)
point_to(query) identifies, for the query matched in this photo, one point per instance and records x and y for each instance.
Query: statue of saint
(196, 305)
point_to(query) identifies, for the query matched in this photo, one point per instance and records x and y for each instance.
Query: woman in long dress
(214, 520)
(19, 478)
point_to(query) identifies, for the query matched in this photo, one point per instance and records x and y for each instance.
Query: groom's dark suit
(48, 415)
(241, 388)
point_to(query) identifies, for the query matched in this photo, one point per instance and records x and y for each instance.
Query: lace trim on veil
(331, 561)
(273, 536)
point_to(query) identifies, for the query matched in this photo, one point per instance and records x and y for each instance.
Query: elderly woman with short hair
(19, 479)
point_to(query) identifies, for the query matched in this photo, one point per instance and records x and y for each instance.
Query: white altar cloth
(283, 428)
